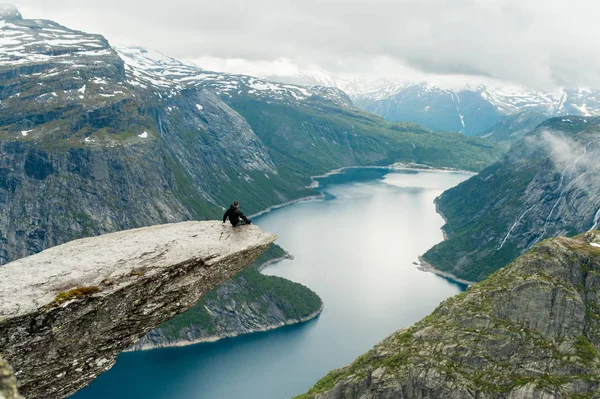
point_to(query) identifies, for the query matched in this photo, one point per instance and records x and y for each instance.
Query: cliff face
(548, 185)
(67, 312)
(250, 302)
(8, 383)
(532, 330)
(48, 198)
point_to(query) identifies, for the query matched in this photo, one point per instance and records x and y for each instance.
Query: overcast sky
(536, 43)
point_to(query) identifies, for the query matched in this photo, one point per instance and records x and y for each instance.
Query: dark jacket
(234, 214)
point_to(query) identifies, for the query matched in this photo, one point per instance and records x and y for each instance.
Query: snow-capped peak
(9, 12)
(152, 69)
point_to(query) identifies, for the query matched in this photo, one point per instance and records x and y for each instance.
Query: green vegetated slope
(325, 136)
(247, 303)
(514, 127)
(532, 330)
(546, 186)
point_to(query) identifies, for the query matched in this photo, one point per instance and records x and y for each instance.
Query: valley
(119, 280)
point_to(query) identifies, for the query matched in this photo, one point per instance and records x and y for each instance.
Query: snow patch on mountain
(38, 41)
(153, 69)
(9, 11)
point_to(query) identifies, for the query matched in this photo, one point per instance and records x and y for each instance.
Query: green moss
(325, 384)
(75, 293)
(585, 350)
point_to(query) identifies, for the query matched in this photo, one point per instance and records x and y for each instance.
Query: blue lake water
(355, 248)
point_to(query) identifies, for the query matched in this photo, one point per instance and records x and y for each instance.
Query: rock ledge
(67, 312)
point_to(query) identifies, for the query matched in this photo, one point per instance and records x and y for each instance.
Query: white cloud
(537, 43)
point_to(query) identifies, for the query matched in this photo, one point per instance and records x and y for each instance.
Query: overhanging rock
(67, 312)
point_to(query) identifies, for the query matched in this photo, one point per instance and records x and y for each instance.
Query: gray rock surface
(8, 383)
(531, 331)
(67, 312)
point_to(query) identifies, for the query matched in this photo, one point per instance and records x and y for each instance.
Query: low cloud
(570, 156)
(534, 43)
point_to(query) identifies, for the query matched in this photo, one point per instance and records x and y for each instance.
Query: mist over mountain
(546, 186)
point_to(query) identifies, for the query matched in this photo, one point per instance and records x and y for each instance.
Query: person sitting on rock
(235, 214)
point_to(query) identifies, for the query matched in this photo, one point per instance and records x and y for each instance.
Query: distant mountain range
(472, 109)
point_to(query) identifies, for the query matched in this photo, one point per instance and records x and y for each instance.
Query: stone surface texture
(129, 282)
(8, 383)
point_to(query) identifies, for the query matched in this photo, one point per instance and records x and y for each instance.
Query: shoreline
(425, 266)
(215, 338)
(284, 204)
(264, 265)
(395, 166)
(439, 212)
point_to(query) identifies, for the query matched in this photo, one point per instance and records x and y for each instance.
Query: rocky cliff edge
(67, 312)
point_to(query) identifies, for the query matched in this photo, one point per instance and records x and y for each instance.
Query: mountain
(97, 139)
(548, 185)
(532, 330)
(514, 127)
(474, 109)
(434, 107)
(247, 303)
(470, 108)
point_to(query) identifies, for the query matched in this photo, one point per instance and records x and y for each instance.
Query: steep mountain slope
(96, 139)
(548, 185)
(434, 107)
(247, 303)
(531, 331)
(514, 127)
(474, 109)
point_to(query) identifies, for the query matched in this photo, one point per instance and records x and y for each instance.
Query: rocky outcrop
(248, 303)
(8, 383)
(548, 185)
(67, 312)
(532, 330)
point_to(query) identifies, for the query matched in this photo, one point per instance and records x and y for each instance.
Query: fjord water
(355, 248)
